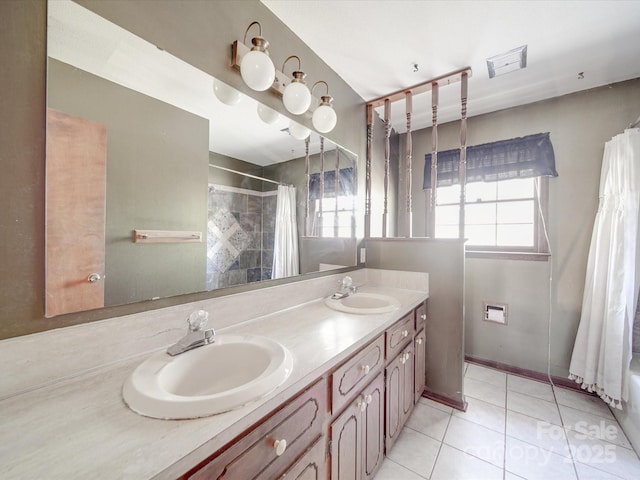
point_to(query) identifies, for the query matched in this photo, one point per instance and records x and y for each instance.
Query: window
(336, 218)
(499, 216)
(333, 216)
(506, 195)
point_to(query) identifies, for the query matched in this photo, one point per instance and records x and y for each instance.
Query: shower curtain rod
(246, 174)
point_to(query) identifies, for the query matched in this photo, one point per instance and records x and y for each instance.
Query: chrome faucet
(346, 288)
(196, 337)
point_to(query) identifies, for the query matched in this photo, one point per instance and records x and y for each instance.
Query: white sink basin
(364, 303)
(230, 372)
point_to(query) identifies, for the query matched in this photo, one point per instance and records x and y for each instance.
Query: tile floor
(513, 428)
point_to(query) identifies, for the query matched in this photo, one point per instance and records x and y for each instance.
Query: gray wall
(222, 177)
(157, 160)
(579, 124)
(443, 260)
(22, 154)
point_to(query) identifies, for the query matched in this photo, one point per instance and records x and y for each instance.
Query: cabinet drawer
(349, 379)
(421, 315)
(255, 456)
(399, 335)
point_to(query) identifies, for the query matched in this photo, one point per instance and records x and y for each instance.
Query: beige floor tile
(534, 463)
(593, 425)
(582, 401)
(415, 451)
(390, 470)
(537, 432)
(476, 440)
(429, 421)
(484, 413)
(487, 375)
(453, 464)
(485, 391)
(439, 406)
(604, 456)
(585, 472)
(533, 407)
(530, 387)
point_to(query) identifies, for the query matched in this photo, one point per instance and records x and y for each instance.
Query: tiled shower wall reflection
(240, 234)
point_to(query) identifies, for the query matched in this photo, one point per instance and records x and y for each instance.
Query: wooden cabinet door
(421, 315)
(408, 393)
(393, 398)
(76, 174)
(399, 394)
(312, 465)
(420, 379)
(373, 428)
(346, 444)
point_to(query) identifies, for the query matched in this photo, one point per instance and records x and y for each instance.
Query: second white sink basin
(364, 303)
(232, 371)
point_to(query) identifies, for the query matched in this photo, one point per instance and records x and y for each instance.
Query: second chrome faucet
(197, 335)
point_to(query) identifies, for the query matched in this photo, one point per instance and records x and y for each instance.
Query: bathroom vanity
(354, 378)
(350, 407)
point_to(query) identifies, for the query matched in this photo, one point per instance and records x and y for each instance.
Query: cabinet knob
(94, 277)
(419, 340)
(365, 369)
(369, 399)
(280, 446)
(362, 404)
(405, 333)
(423, 316)
(403, 359)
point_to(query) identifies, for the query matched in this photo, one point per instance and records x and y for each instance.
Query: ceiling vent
(507, 62)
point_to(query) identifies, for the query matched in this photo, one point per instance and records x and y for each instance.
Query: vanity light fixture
(296, 96)
(324, 117)
(256, 68)
(267, 115)
(226, 94)
(297, 131)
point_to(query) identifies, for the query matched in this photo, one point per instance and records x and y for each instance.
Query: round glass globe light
(226, 94)
(324, 118)
(296, 98)
(297, 131)
(267, 115)
(257, 70)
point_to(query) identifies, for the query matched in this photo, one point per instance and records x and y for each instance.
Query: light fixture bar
(447, 79)
(239, 50)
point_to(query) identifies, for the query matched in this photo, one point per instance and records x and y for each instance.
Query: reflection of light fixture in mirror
(267, 115)
(324, 117)
(297, 131)
(296, 96)
(226, 94)
(256, 68)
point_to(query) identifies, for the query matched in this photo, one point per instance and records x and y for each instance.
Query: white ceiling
(373, 46)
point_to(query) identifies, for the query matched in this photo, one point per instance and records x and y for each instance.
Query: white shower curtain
(602, 349)
(285, 248)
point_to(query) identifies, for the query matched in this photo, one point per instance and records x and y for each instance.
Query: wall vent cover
(507, 62)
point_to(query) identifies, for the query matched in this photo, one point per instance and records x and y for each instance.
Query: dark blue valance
(530, 156)
(346, 184)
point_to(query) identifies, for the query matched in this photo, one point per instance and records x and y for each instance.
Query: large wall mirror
(184, 185)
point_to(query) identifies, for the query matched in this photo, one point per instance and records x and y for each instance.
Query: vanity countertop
(79, 427)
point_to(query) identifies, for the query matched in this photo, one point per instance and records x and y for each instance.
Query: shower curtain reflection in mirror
(286, 261)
